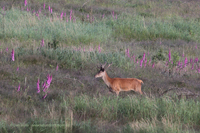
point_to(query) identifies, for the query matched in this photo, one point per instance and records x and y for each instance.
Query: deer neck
(107, 79)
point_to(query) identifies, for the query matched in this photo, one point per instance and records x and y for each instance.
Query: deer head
(102, 71)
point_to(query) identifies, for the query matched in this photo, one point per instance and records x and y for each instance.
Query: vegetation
(48, 60)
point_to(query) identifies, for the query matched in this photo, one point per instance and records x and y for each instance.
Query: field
(51, 50)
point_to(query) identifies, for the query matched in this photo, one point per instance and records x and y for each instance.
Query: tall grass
(25, 25)
(138, 113)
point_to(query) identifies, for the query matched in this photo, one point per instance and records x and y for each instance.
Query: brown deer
(119, 84)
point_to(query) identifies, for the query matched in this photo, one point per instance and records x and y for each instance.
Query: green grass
(25, 26)
(136, 111)
(76, 101)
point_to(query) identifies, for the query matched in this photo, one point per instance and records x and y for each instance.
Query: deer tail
(141, 81)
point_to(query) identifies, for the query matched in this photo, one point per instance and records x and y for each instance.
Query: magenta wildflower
(38, 86)
(137, 61)
(25, 2)
(49, 9)
(61, 15)
(44, 86)
(45, 96)
(186, 61)
(178, 63)
(3, 8)
(18, 89)
(113, 14)
(13, 55)
(99, 48)
(196, 60)
(57, 67)
(44, 6)
(149, 62)
(192, 65)
(153, 65)
(17, 68)
(70, 15)
(49, 79)
(181, 65)
(127, 53)
(191, 60)
(169, 55)
(87, 16)
(42, 43)
(196, 47)
(143, 58)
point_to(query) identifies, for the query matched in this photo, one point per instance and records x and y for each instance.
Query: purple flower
(70, 16)
(38, 86)
(18, 88)
(196, 60)
(25, 2)
(17, 68)
(57, 68)
(149, 62)
(13, 55)
(49, 79)
(143, 58)
(99, 48)
(49, 9)
(44, 86)
(42, 43)
(191, 60)
(87, 16)
(127, 53)
(113, 14)
(192, 65)
(61, 15)
(178, 63)
(44, 6)
(45, 96)
(169, 55)
(153, 65)
(186, 61)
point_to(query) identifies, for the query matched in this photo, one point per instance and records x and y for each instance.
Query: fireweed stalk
(47, 84)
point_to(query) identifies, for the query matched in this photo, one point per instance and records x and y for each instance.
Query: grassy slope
(74, 95)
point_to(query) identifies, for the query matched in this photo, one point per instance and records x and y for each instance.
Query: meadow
(50, 51)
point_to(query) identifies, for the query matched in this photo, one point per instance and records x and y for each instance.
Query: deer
(116, 85)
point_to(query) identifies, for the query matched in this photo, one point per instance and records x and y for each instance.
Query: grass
(76, 101)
